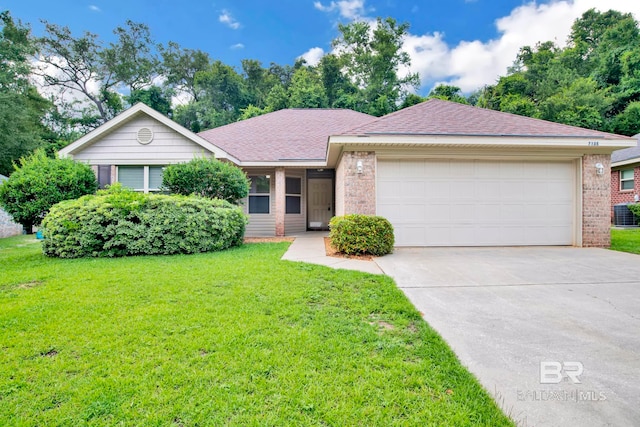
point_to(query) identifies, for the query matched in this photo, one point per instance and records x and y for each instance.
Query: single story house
(444, 174)
(625, 175)
(8, 227)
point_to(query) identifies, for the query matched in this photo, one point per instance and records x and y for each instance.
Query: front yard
(231, 338)
(626, 240)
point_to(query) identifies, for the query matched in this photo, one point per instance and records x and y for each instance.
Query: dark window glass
(104, 175)
(293, 186)
(293, 205)
(259, 184)
(258, 204)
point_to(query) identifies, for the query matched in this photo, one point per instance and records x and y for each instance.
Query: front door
(320, 209)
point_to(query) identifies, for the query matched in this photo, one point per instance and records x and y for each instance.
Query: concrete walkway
(309, 247)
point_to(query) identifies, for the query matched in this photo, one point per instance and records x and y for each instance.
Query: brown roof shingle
(292, 134)
(438, 117)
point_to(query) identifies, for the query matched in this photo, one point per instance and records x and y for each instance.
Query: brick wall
(596, 201)
(357, 190)
(625, 196)
(7, 226)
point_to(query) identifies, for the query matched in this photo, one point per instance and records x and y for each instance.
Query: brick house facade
(625, 176)
(444, 174)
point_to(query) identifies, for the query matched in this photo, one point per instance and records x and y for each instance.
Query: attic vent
(145, 135)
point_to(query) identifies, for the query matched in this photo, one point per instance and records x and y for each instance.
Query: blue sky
(463, 42)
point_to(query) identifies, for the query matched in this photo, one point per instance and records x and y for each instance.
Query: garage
(450, 202)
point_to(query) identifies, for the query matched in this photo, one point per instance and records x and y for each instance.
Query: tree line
(593, 82)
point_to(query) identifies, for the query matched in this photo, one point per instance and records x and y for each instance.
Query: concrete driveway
(520, 318)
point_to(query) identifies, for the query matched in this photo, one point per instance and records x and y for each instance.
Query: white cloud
(313, 55)
(472, 64)
(237, 46)
(348, 9)
(226, 18)
(94, 8)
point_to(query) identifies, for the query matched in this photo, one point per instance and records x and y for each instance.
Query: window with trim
(259, 194)
(141, 178)
(293, 195)
(626, 179)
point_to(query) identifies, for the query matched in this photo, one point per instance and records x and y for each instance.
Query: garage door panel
(478, 203)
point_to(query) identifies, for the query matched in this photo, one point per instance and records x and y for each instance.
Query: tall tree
(22, 109)
(93, 73)
(372, 57)
(180, 66)
(132, 59)
(155, 97)
(448, 93)
(306, 90)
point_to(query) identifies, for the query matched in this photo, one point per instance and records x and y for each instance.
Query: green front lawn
(626, 240)
(231, 338)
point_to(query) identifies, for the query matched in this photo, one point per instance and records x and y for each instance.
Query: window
(141, 178)
(132, 177)
(259, 194)
(155, 177)
(626, 179)
(293, 190)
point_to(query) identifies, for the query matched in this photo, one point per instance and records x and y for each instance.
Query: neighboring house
(7, 226)
(444, 174)
(625, 175)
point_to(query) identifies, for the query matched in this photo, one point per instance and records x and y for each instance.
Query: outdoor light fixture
(599, 168)
(359, 166)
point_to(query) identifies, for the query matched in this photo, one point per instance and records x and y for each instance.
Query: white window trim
(632, 179)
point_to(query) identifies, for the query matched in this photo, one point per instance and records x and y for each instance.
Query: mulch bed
(332, 252)
(268, 239)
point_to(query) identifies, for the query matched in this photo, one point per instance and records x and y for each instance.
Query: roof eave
(625, 162)
(123, 117)
(583, 144)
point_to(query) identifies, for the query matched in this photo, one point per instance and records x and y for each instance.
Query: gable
(121, 146)
(116, 142)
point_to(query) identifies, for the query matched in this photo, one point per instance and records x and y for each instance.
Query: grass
(231, 338)
(626, 240)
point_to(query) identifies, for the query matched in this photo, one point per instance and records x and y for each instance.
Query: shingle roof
(626, 153)
(293, 134)
(438, 117)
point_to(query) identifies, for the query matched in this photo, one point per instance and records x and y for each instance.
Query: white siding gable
(121, 146)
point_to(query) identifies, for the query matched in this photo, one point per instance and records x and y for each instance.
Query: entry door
(320, 208)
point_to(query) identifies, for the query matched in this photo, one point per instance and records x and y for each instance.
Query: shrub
(207, 178)
(361, 234)
(119, 222)
(40, 182)
(635, 210)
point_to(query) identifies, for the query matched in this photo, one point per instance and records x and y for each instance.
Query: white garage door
(477, 202)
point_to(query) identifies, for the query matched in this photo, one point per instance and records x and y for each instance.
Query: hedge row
(361, 234)
(119, 222)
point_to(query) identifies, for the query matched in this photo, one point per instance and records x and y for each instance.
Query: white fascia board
(453, 140)
(625, 162)
(297, 164)
(338, 143)
(126, 115)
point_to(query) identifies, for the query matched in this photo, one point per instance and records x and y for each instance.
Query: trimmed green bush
(120, 222)
(361, 234)
(207, 178)
(635, 210)
(40, 182)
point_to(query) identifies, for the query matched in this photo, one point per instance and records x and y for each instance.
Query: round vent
(145, 135)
